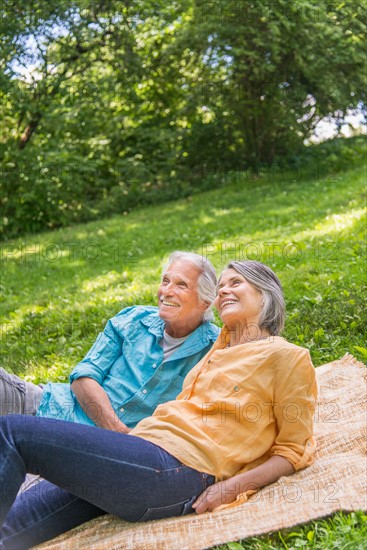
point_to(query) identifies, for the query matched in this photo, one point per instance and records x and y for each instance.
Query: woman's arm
(226, 492)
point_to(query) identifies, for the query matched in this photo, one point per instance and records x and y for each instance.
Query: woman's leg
(116, 473)
(42, 513)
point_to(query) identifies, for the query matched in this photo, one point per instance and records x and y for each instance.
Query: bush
(56, 189)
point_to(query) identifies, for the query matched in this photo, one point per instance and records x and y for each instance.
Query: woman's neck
(245, 334)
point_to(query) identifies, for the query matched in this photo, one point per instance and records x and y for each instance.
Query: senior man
(138, 362)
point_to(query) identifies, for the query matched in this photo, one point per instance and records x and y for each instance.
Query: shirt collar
(154, 323)
(201, 337)
(223, 339)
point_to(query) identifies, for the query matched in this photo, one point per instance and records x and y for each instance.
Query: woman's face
(237, 300)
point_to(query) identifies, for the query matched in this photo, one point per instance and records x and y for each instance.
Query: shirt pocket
(146, 400)
(178, 509)
(221, 408)
(222, 387)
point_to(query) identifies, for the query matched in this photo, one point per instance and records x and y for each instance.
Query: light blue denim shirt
(127, 361)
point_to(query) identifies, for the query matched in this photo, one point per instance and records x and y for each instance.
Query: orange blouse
(238, 407)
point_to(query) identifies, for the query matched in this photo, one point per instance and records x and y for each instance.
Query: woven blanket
(336, 481)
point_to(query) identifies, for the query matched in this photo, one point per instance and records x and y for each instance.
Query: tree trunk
(29, 131)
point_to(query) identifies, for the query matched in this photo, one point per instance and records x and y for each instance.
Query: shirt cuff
(299, 462)
(240, 499)
(82, 371)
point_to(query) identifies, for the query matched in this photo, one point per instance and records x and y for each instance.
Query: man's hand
(96, 404)
(120, 427)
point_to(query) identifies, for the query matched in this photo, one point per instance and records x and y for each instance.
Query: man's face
(178, 301)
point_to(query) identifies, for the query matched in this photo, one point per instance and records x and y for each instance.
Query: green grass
(339, 532)
(59, 288)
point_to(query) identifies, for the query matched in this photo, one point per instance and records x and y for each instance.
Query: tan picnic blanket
(336, 481)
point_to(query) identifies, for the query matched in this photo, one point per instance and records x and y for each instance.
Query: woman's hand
(226, 491)
(223, 492)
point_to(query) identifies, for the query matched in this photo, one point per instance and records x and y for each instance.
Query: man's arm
(226, 492)
(96, 404)
(87, 377)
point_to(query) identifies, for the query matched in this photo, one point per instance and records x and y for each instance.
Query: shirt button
(236, 388)
(144, 391)
(122, 409)
(154, 365)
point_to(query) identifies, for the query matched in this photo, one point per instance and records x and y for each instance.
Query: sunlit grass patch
(339, 532)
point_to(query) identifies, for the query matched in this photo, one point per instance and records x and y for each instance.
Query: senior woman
(242, 420)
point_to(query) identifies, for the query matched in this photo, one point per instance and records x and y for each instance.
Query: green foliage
(110, 105)
(71, 186)
(340, 532)
(275, 69)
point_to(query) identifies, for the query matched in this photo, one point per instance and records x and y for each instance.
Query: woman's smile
(238, 301)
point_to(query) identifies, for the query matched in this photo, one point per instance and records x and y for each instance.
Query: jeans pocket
(207, 480)
(177, 509)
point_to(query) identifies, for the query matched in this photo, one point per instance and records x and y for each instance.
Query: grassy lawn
(342, 531)
(59, 288)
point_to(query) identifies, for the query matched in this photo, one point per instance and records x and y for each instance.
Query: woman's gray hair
(207, 281)
(264, 279)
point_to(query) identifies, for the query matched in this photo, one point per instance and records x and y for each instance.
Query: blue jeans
(89, 471)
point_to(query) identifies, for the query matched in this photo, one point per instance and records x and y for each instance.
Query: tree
(106, 105)
(275, 68)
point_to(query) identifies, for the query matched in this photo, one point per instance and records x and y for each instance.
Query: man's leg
(18, 396)
(117, 473)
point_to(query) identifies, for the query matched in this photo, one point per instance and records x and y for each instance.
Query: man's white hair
(207, 281)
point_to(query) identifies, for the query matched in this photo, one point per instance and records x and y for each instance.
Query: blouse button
(144, 391)
(122, 409)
